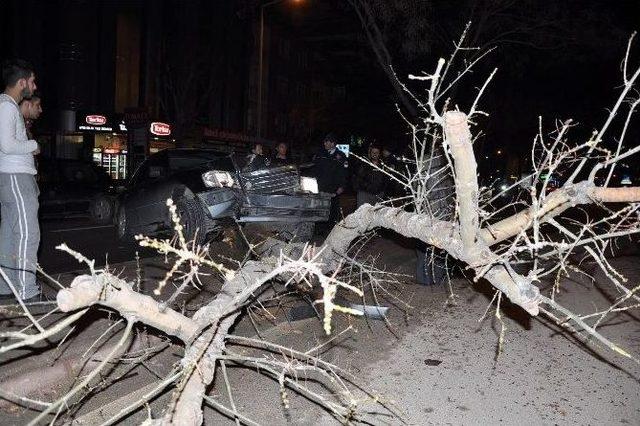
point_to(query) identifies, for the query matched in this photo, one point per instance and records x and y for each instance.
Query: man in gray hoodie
(19, 229)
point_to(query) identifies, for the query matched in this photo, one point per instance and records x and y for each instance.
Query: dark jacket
(371, 180)
(255, 162)
(331, 170)
(277, 162)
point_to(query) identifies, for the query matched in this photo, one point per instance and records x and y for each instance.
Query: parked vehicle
(211, 192)
(73, 188)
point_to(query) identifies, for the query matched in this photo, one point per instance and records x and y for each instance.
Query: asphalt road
(97, 242)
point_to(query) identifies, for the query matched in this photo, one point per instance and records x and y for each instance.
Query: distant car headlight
(309, 184)
(217, 179)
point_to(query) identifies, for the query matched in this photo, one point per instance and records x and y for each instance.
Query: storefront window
(110, 152)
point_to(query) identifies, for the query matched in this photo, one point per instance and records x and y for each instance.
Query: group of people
(331, 166)
(257, 160)
(19, 227)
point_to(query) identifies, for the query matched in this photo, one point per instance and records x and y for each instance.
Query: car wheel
(101, 209)
(295, 232)
(123, 229)
(193, 220)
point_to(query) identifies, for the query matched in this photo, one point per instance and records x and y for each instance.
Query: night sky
(558, 59)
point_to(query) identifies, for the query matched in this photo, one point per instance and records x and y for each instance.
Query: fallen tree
(513, 252)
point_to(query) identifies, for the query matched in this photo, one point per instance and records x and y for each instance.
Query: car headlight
(309, 184)
(217, 179)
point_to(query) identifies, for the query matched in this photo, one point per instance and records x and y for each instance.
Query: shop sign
(95, 120)
(160, 129)
(226, 135)
(95, 123)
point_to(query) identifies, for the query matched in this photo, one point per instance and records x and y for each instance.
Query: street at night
(319, 212)
(94, 241)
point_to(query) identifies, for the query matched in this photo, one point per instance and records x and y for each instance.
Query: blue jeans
(19, 233)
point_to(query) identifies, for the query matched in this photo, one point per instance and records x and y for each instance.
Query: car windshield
(198, 160)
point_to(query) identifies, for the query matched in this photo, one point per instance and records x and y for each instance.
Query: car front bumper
(219, 203)
(298, 207)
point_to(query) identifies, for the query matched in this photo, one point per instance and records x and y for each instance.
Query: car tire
(301, 232)
(123, 231)
(101, 209)
(193, 220)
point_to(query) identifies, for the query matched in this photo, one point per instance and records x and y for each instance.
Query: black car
(210, 192)
(75, 188)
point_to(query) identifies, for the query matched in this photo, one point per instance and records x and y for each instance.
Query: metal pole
(260, 72)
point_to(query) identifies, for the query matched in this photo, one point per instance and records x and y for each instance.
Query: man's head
(374, 153)
(19, 79)
(31, 108)
(282, 149)
(257, 149)
(330, 142)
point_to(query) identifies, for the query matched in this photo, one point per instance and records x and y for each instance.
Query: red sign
(96, 120)
(160, 129)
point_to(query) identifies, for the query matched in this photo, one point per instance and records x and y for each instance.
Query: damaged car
(211, 192)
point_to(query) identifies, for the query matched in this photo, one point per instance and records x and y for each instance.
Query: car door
(78, 187)
(145, 204)
(131, 199)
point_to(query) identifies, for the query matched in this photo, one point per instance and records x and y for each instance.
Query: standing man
(370, 181)
(331, 171)
(281, 158)
(19, 229)
(30, 109)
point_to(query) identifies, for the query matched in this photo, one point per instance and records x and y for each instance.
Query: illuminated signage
(96, 120)
(160, 129)
(344, 148)
(96, 128)
(95, 123)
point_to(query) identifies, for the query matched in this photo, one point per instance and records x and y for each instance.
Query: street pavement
(97, 242)
(435, 362)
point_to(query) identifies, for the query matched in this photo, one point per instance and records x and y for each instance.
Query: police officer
(331, 168)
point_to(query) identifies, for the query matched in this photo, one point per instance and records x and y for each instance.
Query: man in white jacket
(19, 228)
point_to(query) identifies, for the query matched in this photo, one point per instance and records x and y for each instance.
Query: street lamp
(260, 65)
